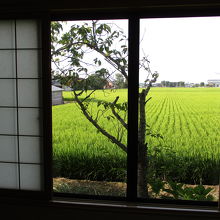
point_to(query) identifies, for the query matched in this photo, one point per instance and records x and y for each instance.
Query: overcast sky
(183, 49)
(180, 49)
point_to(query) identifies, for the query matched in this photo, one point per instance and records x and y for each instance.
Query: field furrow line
(159, 115)
(152, 117)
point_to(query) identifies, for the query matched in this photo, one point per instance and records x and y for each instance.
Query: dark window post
(133, 86)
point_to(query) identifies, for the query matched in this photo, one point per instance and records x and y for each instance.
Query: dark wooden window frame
(133, 16)
(46, 192)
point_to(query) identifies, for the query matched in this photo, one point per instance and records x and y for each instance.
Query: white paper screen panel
(20, 105)
(28, 65)
(8, 65)
(27, 34)
(8, 92)
(30, 149)
(9, 176)
(8, 119)
(29, 121)
(30, 176)
(7, 34)
(27, 89)
(8, 149)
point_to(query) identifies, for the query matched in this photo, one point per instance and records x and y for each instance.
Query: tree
(73, 46)
(72, 81)
(172, 84)
(196, 85)
(95, 81)
(181, 84)
(202, 84)
(120, 81)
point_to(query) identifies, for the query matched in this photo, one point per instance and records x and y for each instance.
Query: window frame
(133, 18)
(46, 193)
(47, 17)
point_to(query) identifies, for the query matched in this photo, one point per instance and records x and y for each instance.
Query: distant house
(67, 88)
(56, 83)
(142, 85)
(156, 85)
(190, 85)
(57, 98)
(108, 85)
(214, 82)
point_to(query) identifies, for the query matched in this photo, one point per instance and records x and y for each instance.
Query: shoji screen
(20, 105)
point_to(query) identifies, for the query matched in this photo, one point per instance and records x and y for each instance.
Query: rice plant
(187, 118)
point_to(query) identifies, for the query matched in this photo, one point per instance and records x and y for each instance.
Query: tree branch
(147, 100)
(88, 95)
(103, 131)
(117, 115)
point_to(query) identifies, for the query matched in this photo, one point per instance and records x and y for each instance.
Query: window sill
(139, 208)
(84, 209)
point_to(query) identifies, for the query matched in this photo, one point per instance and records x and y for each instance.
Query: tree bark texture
(142, 148)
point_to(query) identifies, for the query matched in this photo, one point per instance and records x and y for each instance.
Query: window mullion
(47, 111)
(133, 87)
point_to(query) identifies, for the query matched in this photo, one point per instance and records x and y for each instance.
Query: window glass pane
(7, 92)
(7, 67)
(29, 121)
(27, 89)
(30, 149)
(8, 118)
(30, 177)
(27, 34)
(28, 65)
(181, 143)
(89, 149)
(8, 175)
(8, 149)
(7, 29)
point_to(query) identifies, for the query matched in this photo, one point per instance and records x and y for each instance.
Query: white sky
(180, 49)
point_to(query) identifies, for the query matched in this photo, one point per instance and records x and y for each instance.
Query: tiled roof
(54, 88)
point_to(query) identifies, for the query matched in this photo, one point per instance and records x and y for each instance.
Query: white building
(67, 88)
(214, 82)
(57, 98)
(190, 85)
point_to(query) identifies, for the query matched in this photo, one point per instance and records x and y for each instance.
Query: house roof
(54, 89)
(214, 80)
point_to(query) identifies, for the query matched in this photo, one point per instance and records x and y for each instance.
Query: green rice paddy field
(187, 118)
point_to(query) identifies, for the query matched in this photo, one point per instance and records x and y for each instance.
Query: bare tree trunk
(142, 148)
